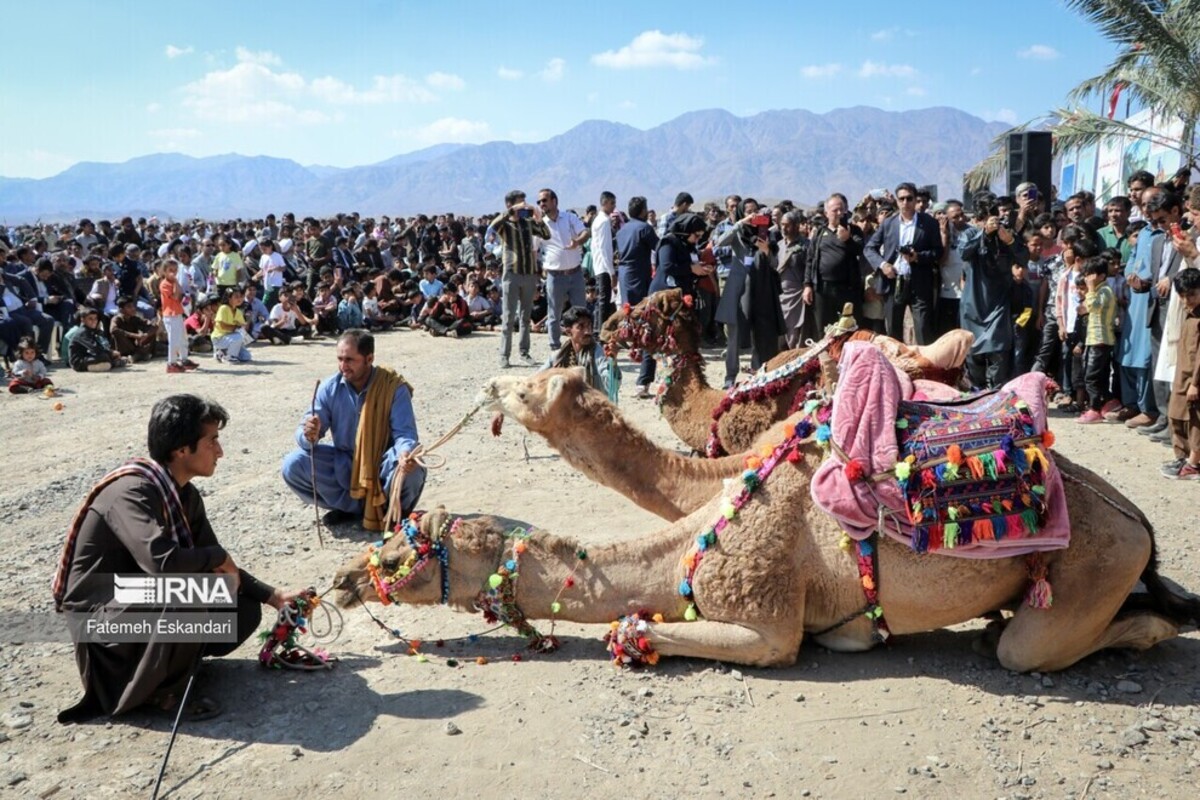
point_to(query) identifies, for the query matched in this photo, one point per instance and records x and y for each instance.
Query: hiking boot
(1189, 472)
(1089, 417)
(1140, 420)
(1171, 468)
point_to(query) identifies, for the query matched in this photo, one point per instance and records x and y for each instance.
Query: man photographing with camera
(833, 276)
(516, 228)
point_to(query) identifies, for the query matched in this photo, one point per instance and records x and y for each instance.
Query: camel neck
(688, 403)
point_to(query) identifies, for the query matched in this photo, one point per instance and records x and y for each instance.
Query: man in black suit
(833, 275)
(905, 252)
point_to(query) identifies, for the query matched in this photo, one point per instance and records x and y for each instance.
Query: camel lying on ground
(666, 325)
(778, 572)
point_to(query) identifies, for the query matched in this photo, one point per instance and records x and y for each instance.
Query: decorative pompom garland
(758, 468)
(280, 648)
(675, 365)
(628, 640)
(423, 550)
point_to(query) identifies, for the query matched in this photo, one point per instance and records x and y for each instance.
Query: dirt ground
(924, 716)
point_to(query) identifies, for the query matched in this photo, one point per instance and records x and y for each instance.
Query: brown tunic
(125, 531)
(1187, 367)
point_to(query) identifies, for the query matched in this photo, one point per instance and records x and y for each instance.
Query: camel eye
(521, 395)
(391, 563)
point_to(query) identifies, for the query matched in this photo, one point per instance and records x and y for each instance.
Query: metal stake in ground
(187, 690)
(312, 462)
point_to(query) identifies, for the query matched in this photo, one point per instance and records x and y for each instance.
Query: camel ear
(554, 388)
(432, 522)
(577, 373)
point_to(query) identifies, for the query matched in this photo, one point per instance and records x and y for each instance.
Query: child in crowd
(91, 350)
(28, 372)
(255, 311)
(1101, 336)
(199, 326)
(227, 267)
(133, 336)
(1022, 302)
(1183, 410)
(430, 286)
(479, 307)
(373, 315)
(1074, 348)
(1077, 248)
(537, 315)
(349, 313)
(449, 315)
(171, 294)
(325, 308)
(229, 329)
(494, 299)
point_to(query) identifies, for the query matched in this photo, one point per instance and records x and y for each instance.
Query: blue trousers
(333, 479)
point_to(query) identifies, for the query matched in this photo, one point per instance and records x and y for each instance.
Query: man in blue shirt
(635, 244)
(339, 407)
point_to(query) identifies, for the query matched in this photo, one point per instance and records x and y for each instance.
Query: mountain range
(772, 155)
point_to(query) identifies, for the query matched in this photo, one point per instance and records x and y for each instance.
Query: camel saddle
(969, 476)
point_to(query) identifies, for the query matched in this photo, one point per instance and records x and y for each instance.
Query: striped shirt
(518, 254)
(1102, 313)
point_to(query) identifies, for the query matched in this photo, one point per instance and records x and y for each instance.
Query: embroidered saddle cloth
(969, 477)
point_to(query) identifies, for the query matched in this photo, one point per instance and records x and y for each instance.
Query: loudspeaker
(1029, 159)
(968, 196)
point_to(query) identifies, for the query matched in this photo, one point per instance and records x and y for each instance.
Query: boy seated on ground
(286, 322)
(537, 316)
(132, 334)
(430, 286)
(373, 315)
(479, 308)
(448, 314)
(91, 350)
(199, 325)
(29, 373)
(256, 312)
(325, 308)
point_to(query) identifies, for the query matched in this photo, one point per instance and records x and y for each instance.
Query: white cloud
(553, 71)
(445, 80)
(383, 89)
(447, 130)
(878, 69)
(1005, 115)
(264, 57)
(510, 74)
(249, 93)
(1039, 52)
(656, 49)
(820, 70)
(175, 52)
(153, 108)
(915, 91)
(887, 34)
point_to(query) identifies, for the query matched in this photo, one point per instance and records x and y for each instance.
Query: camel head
(539, 401)
(662, 324)
(413, 576)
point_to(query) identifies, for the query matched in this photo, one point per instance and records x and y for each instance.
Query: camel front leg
(724, 641)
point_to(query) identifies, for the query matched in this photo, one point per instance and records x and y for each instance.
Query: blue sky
(357, 82)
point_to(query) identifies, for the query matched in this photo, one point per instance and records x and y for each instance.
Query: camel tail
(1161, 598)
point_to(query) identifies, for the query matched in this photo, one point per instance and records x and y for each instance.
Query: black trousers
(988, 370)
(829, 301)
(1097, 366)
(604, 304)
(917, 293)
(1049, 352)
(946, 315)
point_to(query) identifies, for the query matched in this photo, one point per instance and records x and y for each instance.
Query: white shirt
(602, 246)
(281, 319)
(272, 268)
(555, 255)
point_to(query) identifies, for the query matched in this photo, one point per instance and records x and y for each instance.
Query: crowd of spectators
(1101, 300)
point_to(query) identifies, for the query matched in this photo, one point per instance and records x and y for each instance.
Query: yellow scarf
(374, 436)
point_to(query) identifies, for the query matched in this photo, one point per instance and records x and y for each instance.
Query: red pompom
(569, 582)
(855, 470)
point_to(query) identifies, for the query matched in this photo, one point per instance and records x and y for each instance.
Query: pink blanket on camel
(1006, 501)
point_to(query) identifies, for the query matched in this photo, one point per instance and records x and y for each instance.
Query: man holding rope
(147, 517)
(368, 411)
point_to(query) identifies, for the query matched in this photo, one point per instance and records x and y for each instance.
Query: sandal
(197, 709)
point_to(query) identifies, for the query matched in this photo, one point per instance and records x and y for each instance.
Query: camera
(524, 213)
(760, 221)
(844, 220)
(907, 250)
